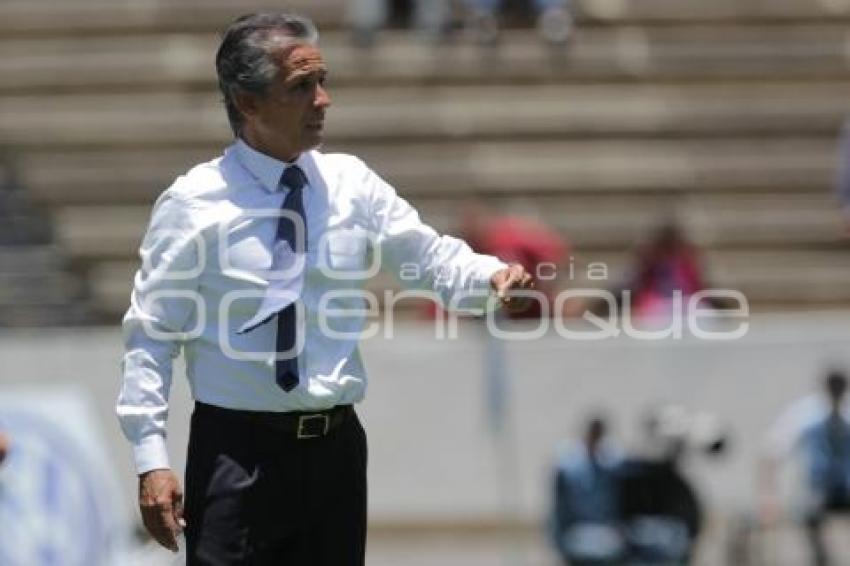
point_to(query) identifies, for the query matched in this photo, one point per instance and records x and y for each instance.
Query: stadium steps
(590, 225)
(774, 279)
(39, 288)
(724, 113)
(459, 113)
(616, 166)
(606, 223)
(680, 166)
(184, 61)
(37, 284)
(679, 12)
(91, 18)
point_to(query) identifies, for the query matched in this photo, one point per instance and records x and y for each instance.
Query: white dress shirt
(205, 276)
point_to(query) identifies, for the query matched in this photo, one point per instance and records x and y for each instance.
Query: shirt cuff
(150, 453)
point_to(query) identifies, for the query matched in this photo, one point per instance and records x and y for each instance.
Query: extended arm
(458, 276)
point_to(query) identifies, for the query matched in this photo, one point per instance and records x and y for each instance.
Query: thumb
(497, 283)
(507, 281)
(500, 289)
(177, 509)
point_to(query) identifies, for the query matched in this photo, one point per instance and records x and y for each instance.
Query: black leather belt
(300, 425)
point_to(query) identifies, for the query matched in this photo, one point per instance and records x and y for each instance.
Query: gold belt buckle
(306, 418)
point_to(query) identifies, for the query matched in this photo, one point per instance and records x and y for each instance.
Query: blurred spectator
(662, 514)
(817, 430)
(367, 17)
(842, 184)
(586, 520)
(517, 239)
(667, 265)
(554, 22)
(638, 509)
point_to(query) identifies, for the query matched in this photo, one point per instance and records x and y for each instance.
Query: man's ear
(246, 103)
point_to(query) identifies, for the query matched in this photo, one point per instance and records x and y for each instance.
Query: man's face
(291, 115)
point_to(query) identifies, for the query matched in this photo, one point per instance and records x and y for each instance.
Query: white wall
(431, 454)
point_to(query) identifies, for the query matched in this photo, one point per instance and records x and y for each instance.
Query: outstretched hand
(161, 504)
(512, 278)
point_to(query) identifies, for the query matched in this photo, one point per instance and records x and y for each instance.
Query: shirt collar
(268, 170)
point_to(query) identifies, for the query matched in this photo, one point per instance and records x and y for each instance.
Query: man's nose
(323, 100)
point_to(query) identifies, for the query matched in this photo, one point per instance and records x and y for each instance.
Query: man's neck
(257, 144)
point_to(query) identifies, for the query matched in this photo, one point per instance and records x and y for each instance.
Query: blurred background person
(664, 265)
(665, 272)
(431, 18)
(816, 431)
(554, 22)
(662, 512)
(586, 519)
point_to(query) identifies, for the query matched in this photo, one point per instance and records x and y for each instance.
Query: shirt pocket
(247, 254)
(345, 255)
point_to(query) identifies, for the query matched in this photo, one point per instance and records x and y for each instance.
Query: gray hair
(245, 60)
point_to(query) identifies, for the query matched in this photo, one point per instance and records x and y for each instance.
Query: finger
(518, 279)
(506, 295)
(511, 276)
(165, 517)
(178, 511)
(157, 529)
(159, 499)
(501, 286)
(164, 537)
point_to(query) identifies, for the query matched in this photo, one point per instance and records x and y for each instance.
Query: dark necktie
(286, 370)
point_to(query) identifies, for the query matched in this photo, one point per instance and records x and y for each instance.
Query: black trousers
(256, 495)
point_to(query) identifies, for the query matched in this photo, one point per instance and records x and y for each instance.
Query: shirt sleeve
(163, 302)
(423, 259)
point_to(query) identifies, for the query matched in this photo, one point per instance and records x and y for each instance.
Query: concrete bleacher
(183, 61)
(37, 285)
(104, 17)
(723, 113)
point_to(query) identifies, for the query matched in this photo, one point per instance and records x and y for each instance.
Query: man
(662, 512)
(817, 429)
(587, 519)
(245, 259)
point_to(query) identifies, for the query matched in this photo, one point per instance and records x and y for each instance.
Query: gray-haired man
(245, 258)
